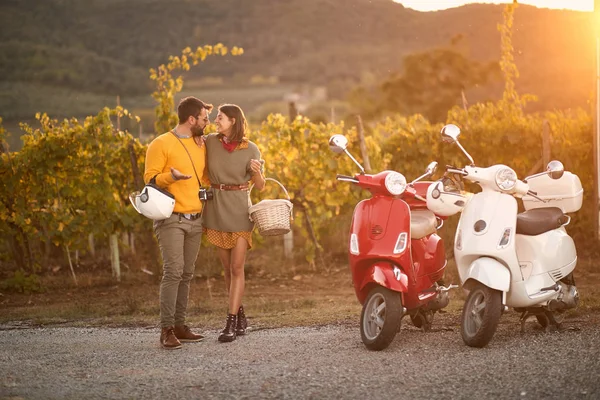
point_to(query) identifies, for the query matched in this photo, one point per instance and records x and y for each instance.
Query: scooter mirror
(450, 133)
(338, 143)
(431, 168)
(555, 169)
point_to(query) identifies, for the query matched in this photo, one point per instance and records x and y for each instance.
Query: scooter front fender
(382, 273)
(489, 272)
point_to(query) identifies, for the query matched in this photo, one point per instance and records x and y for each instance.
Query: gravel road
(328, 362)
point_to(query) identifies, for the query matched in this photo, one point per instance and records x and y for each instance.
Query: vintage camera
(205, 194)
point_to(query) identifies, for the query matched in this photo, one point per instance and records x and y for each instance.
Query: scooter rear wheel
(480, 315)
(380, 318)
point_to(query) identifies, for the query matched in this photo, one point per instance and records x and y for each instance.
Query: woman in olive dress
(233, 164)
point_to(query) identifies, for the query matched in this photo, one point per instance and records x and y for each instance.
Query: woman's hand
(256, 166)
(200, 140)
(256, 169)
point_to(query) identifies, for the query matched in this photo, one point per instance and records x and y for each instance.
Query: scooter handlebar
(410, 189)
(521, 188)
(458, 171)
(346, 178)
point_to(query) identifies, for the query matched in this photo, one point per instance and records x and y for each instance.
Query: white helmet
(444, 203)
(153, 202)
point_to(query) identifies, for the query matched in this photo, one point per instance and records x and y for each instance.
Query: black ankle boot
(228, 334)
(242, 323)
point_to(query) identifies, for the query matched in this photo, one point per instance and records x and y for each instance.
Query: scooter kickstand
(552, 321)
(523, 319)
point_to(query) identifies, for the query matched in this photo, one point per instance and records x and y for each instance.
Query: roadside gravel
(326, 362)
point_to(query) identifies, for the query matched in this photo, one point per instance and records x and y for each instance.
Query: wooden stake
(71, 265)
(91, 245)
(546, 153)
(118, 117)
(114, 256)
(311, 232)
(363, 145)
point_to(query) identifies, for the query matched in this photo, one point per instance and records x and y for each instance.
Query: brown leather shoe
(185, 334)
(168, 339)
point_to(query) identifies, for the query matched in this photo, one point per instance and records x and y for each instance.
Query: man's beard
(197, 130)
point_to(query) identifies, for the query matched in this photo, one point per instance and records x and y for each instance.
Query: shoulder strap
(190, 156)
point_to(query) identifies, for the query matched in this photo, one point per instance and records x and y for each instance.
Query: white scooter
(506, 259)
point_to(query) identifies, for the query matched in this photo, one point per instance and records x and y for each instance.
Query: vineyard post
(118, 115)
(596, 134)
(546, 150)
(114, 256)
(293, 111)
(363, 145)
(71, 265)
(91, 245)
(288, 238)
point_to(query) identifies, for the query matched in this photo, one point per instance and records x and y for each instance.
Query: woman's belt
(222, 186)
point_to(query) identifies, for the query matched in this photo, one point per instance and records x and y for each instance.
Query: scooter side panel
(496, 212)
(429, 260)
(381, 273)
(544, 253)
(529, 292)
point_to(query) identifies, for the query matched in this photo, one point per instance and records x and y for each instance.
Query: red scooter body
(378, 223)
(396, 257)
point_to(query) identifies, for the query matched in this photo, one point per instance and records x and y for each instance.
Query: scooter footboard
(385, 274)
(488, 271)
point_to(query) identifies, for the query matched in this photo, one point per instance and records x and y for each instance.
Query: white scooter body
(525, 268)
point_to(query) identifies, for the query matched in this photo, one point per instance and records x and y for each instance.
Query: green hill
(105, 47)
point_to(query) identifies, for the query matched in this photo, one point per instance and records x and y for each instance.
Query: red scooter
(396, 257)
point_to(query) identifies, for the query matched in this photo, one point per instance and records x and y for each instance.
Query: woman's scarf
(230, 146)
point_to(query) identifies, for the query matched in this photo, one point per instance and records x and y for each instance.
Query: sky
(433, 5)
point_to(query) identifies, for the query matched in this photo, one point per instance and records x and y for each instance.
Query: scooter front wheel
(480, 315)
(380, 318)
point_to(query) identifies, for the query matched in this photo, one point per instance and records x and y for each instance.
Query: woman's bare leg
(238, 259)
(225, 257)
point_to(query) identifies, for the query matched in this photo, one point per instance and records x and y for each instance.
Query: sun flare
(434, 5)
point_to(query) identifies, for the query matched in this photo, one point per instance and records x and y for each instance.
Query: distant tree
(430, 84)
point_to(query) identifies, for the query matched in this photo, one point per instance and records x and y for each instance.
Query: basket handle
(268, 179)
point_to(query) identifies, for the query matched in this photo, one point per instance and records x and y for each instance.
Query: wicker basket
(271, 217)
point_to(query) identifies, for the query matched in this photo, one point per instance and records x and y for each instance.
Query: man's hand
(178, 175)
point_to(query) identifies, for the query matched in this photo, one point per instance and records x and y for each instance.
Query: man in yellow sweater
(177, 164)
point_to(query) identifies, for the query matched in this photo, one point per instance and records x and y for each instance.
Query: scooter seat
(422, 223)
(539, 220)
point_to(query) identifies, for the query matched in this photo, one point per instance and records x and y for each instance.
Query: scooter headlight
(506, 179)
(395, 183)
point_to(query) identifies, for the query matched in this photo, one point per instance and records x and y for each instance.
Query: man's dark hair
(191, 107)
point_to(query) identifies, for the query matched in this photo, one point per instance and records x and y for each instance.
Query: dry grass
(300, 296)
(303, 298)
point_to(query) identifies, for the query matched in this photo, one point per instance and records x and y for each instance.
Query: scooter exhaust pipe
(569, 299)
(442, 299)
